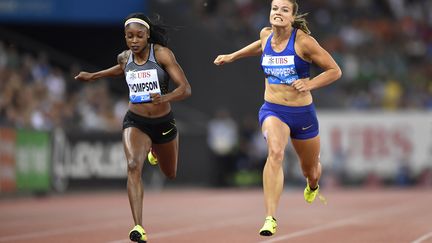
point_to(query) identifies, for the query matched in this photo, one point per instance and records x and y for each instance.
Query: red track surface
(235, 215)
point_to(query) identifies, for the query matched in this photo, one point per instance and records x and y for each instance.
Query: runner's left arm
(183, 90)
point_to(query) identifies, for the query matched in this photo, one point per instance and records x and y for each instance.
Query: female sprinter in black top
(149, 127)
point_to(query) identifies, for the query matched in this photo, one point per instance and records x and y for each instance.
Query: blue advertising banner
(63, 11)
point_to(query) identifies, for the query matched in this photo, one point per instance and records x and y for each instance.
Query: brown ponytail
(301, 23)
(300, 19)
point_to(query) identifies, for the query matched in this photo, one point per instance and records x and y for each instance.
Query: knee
(133, 165)
(276, 156)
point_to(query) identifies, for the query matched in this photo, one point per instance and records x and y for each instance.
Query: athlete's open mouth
(278, 18)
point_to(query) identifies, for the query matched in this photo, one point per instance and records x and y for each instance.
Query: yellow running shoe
(138, 234)
(310, 195)
(269, 227)
(152, 158)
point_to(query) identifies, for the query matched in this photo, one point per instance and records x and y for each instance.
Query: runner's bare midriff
(286, 95)
(150, 110)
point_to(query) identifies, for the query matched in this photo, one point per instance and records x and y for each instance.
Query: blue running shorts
(301, 120)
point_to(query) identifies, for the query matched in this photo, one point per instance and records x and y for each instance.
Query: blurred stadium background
(57, 134)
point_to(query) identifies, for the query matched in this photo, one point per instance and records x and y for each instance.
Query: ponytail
(300, 22)
(300, 19)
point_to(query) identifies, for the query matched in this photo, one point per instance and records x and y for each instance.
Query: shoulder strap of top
(152, 54)
(130, 58)
(268, 43)
(292, 39)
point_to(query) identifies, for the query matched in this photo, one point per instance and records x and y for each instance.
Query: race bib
(279, 69)
(142, 84)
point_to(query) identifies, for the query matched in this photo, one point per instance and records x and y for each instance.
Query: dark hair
(299, 19)
(158, 31)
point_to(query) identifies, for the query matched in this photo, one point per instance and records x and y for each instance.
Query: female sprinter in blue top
(287, 51)
(148, 65)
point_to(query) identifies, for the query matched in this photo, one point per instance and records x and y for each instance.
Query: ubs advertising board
(382, 143)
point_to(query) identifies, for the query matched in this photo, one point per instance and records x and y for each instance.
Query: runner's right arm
(113, 71)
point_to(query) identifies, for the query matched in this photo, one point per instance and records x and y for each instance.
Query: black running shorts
(160, 130)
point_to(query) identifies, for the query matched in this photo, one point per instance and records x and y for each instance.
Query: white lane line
(74, 229)
(60, 218)
(423, 238)
(339, 223)
(192, 229)
(64, 230)
(335, 224)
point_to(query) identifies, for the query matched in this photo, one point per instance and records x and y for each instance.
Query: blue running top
(286, 66)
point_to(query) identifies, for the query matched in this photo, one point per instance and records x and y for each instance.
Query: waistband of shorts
(291, 109)
(151, 120)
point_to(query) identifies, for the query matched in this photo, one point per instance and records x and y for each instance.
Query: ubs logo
(132, 76)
